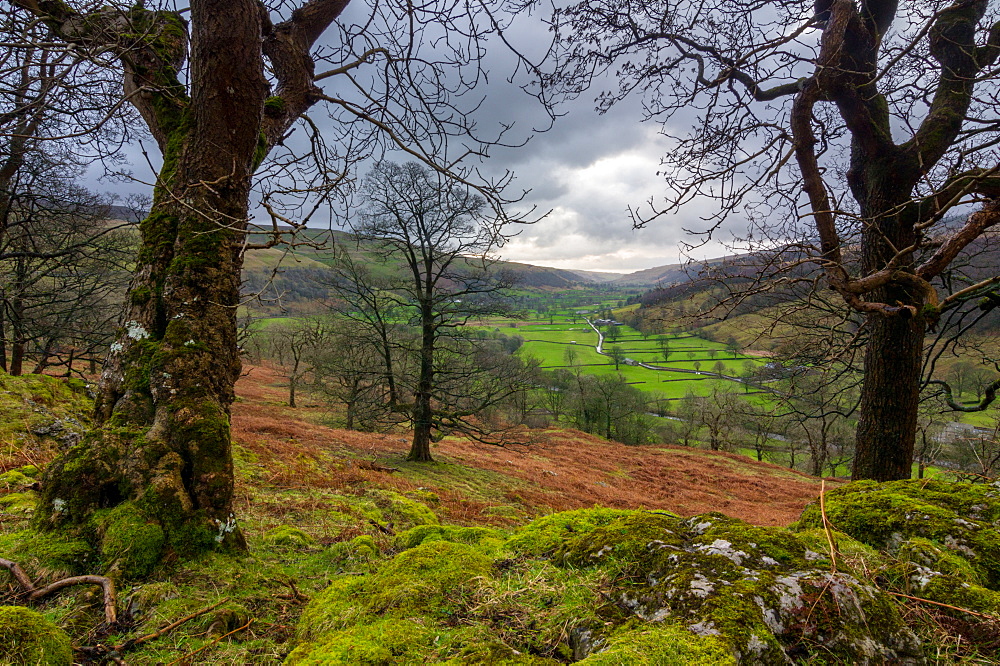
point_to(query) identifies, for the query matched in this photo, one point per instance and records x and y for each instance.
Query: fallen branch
(205, 647)
(33, 592)
(994, 618)
(18, 573)
(295, 595)
(375, 467)
(170, 627)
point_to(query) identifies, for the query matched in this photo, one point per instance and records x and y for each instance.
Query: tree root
(97, 652)
(33, 592)
(205, 647)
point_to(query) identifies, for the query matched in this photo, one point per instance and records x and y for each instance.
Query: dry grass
(561, 469)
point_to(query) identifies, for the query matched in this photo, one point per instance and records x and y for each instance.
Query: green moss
(926, 553)
(428, 577)
(852, 555)
(147, 597)
(274, 105)
(29, 638)
(402, 511)
(628, 542)
(47, 556)
(485, 537)
(956, 592)
(386, 641)
(958, 517)
(661, 645)
(18, 502)
(546, 534)
(14, 480)
(431, 579)
(130, 542)
(30, 402)
(291, 537)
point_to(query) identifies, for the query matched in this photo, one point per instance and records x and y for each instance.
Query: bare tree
(847, 140)
(220, 90)
(431, 239)
(296, 343)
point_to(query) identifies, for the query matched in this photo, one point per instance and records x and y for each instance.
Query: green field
(549, 342)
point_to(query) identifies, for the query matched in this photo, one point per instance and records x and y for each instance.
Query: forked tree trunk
(166, 390)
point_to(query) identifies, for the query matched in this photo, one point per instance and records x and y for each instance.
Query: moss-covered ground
(497, 558)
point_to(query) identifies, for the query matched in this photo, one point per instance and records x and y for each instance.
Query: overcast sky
(587, 170)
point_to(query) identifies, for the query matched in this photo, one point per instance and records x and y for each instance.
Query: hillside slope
(559, 470)
(357, 557)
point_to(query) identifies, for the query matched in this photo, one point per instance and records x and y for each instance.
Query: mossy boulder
(21, 502)
(547, 534)
(962, 519)
(607, 586)
(399, 511)
(28, 637)
(18, 479)
(760, 591)
(432, 579)
(661, 645)
(289, 537)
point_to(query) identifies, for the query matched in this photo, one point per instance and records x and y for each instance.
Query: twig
(205, 647)
(295, 595)
(170, 627)
(826, 526)
(383, 529)
(955, 608)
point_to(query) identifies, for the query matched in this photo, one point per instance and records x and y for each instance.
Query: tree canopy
(858, 144)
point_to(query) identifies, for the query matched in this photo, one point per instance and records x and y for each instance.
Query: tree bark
(166, 390)
(423, 417)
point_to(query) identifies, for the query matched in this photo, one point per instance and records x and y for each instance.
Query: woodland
(231, 435)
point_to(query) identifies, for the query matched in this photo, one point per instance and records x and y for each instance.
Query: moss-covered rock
(400, 511)
(16, 480)
(432, 579)
(958, 518)
(760, 591)
(23, 502)
(29, 638)
(661, 645)
(485, 537)
(614, 586)
(629, 540)
(289, 537)
(546, 534)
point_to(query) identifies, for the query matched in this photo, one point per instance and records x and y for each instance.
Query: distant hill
(665, 275)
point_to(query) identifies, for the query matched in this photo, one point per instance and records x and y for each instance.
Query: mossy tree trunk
(163, 444)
